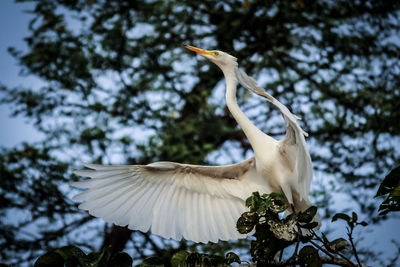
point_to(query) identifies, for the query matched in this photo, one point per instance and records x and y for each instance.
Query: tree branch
(350, 234)
(334, 261)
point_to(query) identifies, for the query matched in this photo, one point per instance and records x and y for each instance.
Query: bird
(203, 203)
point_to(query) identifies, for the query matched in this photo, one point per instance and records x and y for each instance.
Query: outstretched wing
(294, 143)
(198, 203)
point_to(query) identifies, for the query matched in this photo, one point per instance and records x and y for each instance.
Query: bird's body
(203, 203)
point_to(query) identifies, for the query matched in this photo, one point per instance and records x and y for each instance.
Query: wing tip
(82, 173)
(78, 184)
(91, 165)
(76, 198)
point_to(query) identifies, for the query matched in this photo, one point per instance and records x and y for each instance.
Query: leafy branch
(390, 187)
(273, 233)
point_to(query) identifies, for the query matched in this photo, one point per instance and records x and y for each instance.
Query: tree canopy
(118, 88)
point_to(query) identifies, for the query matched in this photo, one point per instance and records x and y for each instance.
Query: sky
(13, 28)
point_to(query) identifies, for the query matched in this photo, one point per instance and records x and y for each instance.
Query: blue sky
(13, 28)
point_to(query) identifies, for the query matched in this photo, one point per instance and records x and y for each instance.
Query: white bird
(203, 203)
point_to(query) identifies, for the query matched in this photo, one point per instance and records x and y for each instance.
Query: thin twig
(350, 234)
(296, 249)
(334, 261)
(322, 249)
(344, 257)
(340, 254)
(281, 254)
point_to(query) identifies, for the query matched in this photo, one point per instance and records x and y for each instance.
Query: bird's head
(221, 59)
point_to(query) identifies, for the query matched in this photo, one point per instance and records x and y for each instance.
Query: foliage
(390, 187)
(262, 219)
(274, 232)
(184, 258)
(116, 87)
(73, 256)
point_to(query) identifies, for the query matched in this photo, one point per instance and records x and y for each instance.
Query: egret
(203, 203)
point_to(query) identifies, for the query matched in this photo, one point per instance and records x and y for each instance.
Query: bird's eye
(215, 54)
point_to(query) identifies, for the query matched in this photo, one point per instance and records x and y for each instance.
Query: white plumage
(202, 203)
(175, 200)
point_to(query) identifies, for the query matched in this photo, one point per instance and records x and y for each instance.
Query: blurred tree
(118, 88)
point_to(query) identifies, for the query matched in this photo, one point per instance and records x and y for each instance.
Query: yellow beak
(198, 50)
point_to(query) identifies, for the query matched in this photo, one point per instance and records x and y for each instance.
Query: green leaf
(309, 255)
(194, 258)
(255, 196)
(363, 223)
(354, 216)
(341, 216)
(391, 181)
(249, 201)
(389, 205)
(179, 258)
(231, 257)
(97, 258)
(338, 244)
(74, 256)
(69, 252)
(390, 185)
(50, 259)
(246, 222)
(70, 255)
(278, 202)
(152, 261)
(290, 217)
(212, 260)
(310, 225)
(395, 192)
(307, 215)
(254, 201)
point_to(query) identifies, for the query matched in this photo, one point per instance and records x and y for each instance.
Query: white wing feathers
(198, 203)
(251, 84)
(294, 138)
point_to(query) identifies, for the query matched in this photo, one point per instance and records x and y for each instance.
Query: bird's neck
(256, 137)
(231, 85)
